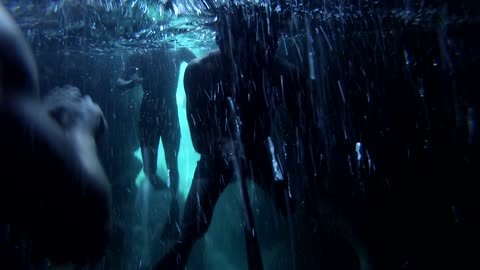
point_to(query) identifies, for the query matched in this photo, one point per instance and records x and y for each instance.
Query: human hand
(90, 117)
(136, 78)
(73, 111)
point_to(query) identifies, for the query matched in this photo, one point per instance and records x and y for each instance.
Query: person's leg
(209, 181)
(171, 144)
(149, 137)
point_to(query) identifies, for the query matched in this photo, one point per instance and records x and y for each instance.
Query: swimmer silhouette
(55, 195)
(232, 95)
(157, 71)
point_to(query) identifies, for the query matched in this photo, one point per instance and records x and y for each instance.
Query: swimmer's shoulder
(206, 64)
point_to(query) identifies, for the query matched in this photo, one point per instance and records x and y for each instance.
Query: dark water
(397, 106)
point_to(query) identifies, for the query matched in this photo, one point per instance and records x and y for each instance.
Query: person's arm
(296, 96)
(53, 186)
(299, 101)
(124, 84)
(54, 182)
(131, 75)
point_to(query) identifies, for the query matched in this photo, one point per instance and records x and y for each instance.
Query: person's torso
(255, 96)
(160, 73)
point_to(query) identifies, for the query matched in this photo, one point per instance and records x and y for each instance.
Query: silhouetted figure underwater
(232, 97)
(55, 199)
(157, 71)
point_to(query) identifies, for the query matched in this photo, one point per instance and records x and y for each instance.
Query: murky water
(395, 105)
